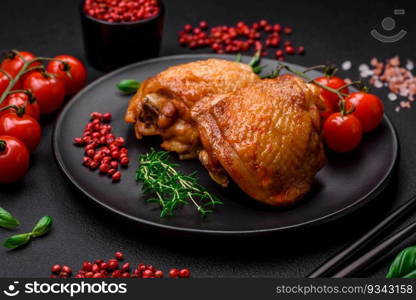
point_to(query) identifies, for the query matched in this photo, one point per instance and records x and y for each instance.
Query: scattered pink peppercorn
(279, 53)
(100, 268)
(184, 273)
(66, 269)
(288, 30)
(103, 150)
(158, 274)
(290, 50)
(174, 273)
(148, 273)
(125, 267)
(119, 255)
(56, 269)
(235, 39)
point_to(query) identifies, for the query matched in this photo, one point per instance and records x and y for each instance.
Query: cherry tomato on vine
(369, 109)
(342, 133)
(14, 159)
(48, 90)
(14, 65)
(4, 83)
(78, 72)
(335, 83)
(329, 110)
(25, 128)
(19, 100)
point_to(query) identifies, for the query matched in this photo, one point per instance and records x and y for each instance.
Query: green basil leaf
(7, 220)
(42, 227)
(17, 240)
(404, 265)
(128, 86)
(411, 274)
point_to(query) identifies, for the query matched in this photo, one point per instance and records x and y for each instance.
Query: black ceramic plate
(345, 184)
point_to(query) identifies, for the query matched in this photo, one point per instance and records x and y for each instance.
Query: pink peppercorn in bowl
(120, 32)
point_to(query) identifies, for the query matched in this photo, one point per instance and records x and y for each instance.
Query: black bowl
(109, 46)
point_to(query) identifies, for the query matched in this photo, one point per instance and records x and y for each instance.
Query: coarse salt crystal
(409, 65)
(363, 67)
(346, 65)
(397, 109)
(392, 96)
(366, 73)
(378, 84)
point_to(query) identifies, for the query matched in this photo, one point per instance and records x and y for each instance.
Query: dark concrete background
(331, 31)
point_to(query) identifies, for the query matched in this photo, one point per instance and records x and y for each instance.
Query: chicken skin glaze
(162, 104)
(266, 137)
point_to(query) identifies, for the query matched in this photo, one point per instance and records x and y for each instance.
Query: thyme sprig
(171, 188)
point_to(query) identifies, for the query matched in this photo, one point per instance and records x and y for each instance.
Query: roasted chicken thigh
(162, 104)
(265, 136)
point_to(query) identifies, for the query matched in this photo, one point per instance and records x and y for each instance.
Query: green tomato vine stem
(25, 69)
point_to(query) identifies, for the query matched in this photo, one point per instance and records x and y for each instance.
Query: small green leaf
(404, 265)
(7, 220)
(238, 57)
(128, 86)
(42, 227)
(257, 69)
(255, 60)
(17, 240)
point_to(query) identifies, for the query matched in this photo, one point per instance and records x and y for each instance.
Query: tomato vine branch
(25, 69)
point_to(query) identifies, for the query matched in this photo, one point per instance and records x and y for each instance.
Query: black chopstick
(361, 263)
(328, 268)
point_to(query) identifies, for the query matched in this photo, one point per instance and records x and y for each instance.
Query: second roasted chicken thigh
(266, 137)
(162, 104)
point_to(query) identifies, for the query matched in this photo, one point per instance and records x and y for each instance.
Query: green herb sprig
(171, 188)
(255, 63)
(404, 265)
(128, 86)
(43, 226)
(7, 220)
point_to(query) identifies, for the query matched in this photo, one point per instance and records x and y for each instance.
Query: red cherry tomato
(335, 83)
(14, 159)
(77, 70)
(369, 109)
(25, 128)
(4, 83)
(342, 133)
(49, 91)
(19, 100)
(15, 64)
(329, 110)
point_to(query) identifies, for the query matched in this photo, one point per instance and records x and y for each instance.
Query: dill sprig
(172, 189)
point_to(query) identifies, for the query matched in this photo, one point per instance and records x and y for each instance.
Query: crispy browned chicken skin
(266, 137)
(162, 104)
